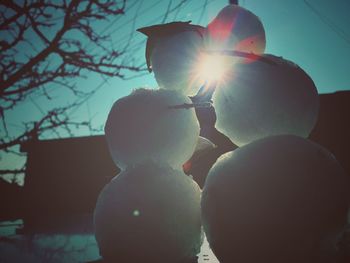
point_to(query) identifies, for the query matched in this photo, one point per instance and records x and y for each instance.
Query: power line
(150, 22)
(336, 29)
(118, 17)
(167, 12)
(203, 10)
(131, 20)
(197, 9)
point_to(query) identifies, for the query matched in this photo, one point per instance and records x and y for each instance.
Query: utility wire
(336, 29)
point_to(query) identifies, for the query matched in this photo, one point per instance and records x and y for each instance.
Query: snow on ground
(59, 248)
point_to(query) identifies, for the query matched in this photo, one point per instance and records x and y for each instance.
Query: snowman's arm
(191, 105)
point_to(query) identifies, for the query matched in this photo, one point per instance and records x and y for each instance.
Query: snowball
(142, 127)
(149, 213)
(236, 28)
(174, 61)
(261, 99)
(284, 198)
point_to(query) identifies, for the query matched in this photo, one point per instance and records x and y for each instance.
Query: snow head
(261, 99)
(278, 199)
(236, 28)
(149, 213)
(172, 52)
(142, 127)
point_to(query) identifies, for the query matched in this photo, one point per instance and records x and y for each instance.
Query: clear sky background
(293, 31)
(314, 36)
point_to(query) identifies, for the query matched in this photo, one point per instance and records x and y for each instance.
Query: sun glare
(212, 68)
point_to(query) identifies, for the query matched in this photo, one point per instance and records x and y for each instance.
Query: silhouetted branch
(70, 46)
(191, 105)
(17, 77)
(10, 171)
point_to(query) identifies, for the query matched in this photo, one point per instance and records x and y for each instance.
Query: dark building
(11, 198)
(332, 130)
(63, 180)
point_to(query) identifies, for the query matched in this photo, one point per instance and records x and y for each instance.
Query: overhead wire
(121, 39)
(197, 9)
(336, 29)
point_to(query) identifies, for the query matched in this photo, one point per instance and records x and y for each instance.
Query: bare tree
(47, 45)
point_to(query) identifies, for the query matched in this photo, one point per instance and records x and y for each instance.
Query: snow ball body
(236, 28)
(284, 198)
(174, 61)
(142, 127)
(261, 99)
(149, 213)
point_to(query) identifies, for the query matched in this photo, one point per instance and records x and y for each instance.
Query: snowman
(150, 212)
(279, 197)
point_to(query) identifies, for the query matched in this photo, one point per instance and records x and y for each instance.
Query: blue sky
(293, 31)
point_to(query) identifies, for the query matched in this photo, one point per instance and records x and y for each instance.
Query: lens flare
(212, 68)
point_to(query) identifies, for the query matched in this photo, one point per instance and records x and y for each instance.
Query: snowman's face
(174, 60)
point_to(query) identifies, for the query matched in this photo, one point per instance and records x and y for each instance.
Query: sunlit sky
(292, 29)
(318, 41)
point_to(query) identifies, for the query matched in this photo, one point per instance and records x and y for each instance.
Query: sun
(211, 68)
